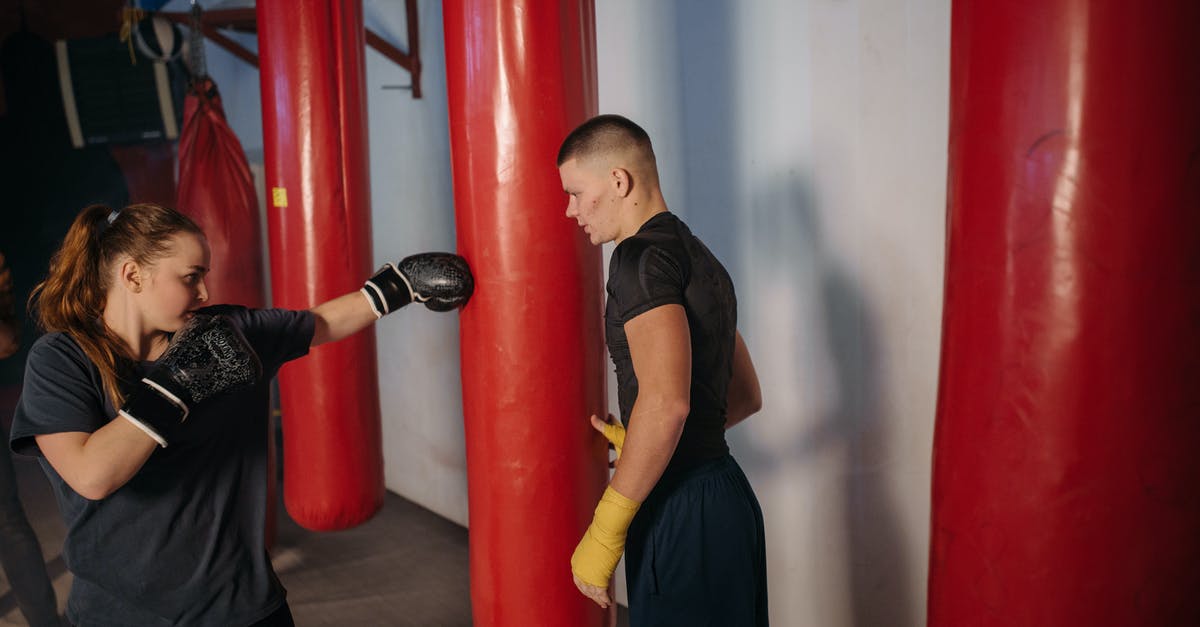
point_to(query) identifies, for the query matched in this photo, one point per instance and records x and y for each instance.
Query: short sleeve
(645, 277)
(60, 394)
(277, 335)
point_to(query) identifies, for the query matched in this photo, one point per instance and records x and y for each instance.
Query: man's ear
(132, 275)
(622, 181)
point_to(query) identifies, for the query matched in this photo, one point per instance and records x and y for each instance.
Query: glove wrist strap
(387, 291)
(155, 410)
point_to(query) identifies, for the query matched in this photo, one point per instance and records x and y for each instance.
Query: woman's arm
(341, 317)
(96, 464)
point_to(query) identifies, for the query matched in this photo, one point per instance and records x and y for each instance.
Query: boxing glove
(442, 281)
(207, 357)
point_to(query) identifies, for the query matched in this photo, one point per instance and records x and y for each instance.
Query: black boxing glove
(442, 281)
(207, 357)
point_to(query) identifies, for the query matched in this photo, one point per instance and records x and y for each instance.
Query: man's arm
(661, 349)
(745, 395)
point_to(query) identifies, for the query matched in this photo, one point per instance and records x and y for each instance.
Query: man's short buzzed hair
(605, 134)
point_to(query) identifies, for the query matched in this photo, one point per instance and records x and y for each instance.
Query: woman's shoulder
(56, 345)
(58, 353)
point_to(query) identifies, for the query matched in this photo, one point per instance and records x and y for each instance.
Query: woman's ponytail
(71, 299)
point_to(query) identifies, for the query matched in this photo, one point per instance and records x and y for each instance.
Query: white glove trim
(370, 300)
(145, 428)
(170, 397)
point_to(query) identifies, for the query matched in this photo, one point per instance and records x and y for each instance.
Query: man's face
(592, 200)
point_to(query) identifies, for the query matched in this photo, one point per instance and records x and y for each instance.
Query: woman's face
(173, 287)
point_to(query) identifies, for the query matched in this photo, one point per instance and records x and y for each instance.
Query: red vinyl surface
(216, 190)
(520, 76)
(1066, 469)
(315, 142)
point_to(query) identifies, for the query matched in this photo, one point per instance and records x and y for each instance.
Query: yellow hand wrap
(615, 433)
(598, 552)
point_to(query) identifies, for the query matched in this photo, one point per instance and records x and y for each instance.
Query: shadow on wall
(706, 58)
(851, 432)
(774, 250)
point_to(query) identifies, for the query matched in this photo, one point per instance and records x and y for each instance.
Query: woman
(154, 439)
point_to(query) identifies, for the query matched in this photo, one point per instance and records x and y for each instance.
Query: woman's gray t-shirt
(182, 543)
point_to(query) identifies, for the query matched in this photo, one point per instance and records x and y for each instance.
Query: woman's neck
(123, 319)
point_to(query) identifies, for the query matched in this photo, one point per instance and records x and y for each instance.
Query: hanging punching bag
(216, 190)
(1066, 458)
(315, 144)
(520, 76)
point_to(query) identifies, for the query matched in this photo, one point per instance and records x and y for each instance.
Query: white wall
(805, 142)
(412, 208)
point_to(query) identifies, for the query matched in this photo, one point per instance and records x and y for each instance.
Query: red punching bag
(520, 76)
(315, 144)
(216, 190)
(1066, 458)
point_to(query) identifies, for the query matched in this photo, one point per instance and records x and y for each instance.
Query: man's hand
(600, 549)
(613, 431)
(595, 593)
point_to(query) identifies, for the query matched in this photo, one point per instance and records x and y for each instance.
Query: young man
(678, 504)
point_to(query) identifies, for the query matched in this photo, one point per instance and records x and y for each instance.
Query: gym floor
(404, 567)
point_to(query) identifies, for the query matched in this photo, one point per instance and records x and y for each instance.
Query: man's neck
(639, 211)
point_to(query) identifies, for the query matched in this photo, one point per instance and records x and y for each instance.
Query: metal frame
(244, 20)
